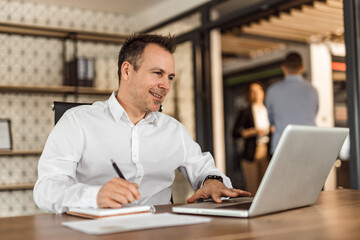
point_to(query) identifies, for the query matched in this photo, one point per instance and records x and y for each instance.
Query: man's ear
(284, 70)
(125, 70)
(302, 69)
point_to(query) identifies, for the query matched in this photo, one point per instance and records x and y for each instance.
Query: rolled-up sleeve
(197, 165)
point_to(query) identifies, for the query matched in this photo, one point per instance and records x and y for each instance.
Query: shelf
(63, 33)
(19, 153)
(339, 76)
(90, 90)
(54, 89)
(24, 186)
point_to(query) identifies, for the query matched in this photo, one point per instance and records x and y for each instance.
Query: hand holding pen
(117, 192)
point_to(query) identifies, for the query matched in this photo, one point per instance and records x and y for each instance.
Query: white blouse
(261, 121)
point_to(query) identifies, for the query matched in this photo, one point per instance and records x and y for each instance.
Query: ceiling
(119, 6)
(322, 20)
(308, 23)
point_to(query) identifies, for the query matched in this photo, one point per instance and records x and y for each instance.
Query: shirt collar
(294, 77)
(115, 107)
(118, 111)
(151, 118)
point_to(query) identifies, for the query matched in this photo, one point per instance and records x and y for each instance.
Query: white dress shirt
(75, 162)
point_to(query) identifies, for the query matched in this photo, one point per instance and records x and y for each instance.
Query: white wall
(321, 76)
(217, 100)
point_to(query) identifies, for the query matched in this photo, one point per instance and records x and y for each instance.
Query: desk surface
(336, 215)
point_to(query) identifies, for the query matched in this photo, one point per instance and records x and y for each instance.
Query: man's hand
(215, 189)
(117, 192)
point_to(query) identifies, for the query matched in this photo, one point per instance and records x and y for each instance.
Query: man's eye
(171, 78)
(158, 73)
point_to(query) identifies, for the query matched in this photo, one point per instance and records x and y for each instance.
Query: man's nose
(165, 83)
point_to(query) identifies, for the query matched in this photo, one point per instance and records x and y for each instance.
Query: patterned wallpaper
(17, 170)
(15, 203)
(61, 16)
(26, 60)
(37, 61)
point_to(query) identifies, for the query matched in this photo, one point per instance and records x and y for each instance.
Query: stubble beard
(152, 106)
(159, 102)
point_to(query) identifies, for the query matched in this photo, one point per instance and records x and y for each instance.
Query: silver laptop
(294, 178)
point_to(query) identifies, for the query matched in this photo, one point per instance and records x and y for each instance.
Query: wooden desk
(336, 215)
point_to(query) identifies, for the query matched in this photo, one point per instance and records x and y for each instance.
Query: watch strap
(214, 177)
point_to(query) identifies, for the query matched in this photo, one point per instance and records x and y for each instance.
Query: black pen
(117, 169)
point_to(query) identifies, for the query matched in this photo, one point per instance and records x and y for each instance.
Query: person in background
(291, 101)
(252, 127)
(75, 168)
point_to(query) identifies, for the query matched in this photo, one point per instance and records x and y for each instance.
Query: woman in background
(253, 128)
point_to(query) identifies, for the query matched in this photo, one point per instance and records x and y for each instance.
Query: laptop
(294, 178)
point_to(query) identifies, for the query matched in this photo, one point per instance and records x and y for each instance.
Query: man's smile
(156, 95)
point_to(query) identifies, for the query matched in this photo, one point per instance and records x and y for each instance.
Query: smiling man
(75, 167)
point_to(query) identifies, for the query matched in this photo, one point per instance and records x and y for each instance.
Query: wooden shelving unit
(54, 89)
(22, 186)
(19, 153)
(62, 33)
(90, 90)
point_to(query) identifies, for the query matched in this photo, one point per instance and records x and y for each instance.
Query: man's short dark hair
(135, 44)
(293, 61)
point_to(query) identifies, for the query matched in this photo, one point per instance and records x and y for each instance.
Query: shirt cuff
(89, 196)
